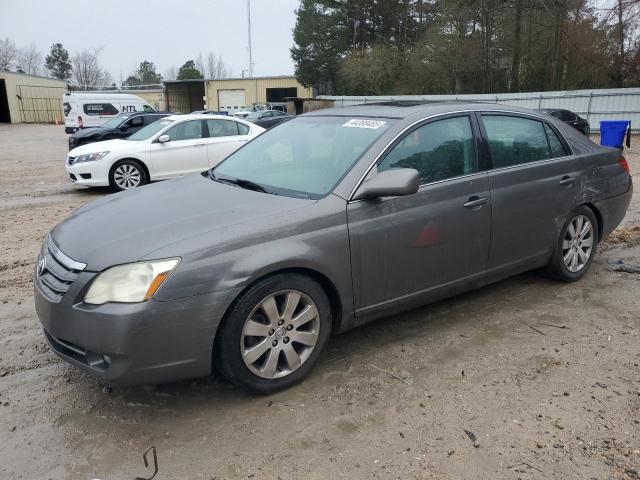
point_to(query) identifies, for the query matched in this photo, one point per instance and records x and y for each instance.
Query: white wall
(594, 105)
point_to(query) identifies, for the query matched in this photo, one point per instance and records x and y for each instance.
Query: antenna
(249, 30)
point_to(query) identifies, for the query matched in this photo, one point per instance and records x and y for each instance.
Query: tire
(126, 175)
(567, 264)
(266, 362)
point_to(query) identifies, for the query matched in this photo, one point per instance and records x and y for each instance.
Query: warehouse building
(30, 98)
(231, 94)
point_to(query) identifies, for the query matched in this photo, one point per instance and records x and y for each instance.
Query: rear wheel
(127, 174)
(576, 246)
(274, 333)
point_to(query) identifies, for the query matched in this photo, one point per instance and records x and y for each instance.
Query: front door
(534, 185)
(422, 246)
(184, 153)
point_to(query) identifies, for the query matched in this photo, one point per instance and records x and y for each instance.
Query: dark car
(120, 126)
(570, 118)
(268, 118)
(335, 218)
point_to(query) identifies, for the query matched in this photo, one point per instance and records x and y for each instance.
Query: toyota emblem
(42, 266)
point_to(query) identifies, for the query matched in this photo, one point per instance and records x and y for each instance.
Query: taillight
(623, 163)
(80, 121)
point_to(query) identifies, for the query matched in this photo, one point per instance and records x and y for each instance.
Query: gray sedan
(323, 223)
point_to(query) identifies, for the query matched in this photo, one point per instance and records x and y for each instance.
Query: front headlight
(90, 157)
(130, 283)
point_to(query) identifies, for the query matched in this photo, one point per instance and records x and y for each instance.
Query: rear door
(224, 137)
(184, 153)
(534, 182)
(418, 246)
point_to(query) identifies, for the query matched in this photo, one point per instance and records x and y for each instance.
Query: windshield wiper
(240, 182)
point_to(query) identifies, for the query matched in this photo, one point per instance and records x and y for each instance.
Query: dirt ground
(546, 375)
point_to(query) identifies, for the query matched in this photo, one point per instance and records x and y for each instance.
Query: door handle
(567, 180)
(475, 201)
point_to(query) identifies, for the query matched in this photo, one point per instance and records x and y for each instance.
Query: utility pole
(249, 30)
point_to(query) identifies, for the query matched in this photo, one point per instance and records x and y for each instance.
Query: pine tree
(57, 62)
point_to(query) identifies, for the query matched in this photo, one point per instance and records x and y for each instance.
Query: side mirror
(164, 138)
(124, 128)
(396, 182)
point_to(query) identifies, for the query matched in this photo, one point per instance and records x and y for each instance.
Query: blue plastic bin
(612, 133)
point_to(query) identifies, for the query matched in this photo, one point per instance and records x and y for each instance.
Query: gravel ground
(544, 374)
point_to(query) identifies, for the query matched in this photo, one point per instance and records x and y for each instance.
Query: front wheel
(576, 246)
(274, 333)
(127, 174)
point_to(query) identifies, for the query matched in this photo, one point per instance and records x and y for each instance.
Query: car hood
(107, 145)
(92, 132)
(125, 227)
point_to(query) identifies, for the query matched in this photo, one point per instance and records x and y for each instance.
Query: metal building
(30, 98)
(231, 94)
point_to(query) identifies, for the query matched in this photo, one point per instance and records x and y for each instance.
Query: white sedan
(170, 147)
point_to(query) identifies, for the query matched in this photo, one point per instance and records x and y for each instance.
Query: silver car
(323, 223)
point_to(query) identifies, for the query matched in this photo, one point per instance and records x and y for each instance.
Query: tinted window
(148, 108)
(147, 119)
(135, 122)
(99, 109)
(222, 128)
(438, 150)
(186, 130)
(556, 146)
(242, 129)
(515, 140)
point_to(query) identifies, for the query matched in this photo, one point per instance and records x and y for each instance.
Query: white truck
(82, 110)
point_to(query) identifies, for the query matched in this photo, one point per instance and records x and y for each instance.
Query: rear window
(94, 109)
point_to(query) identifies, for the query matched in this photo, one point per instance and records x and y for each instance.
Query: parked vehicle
(570, 118)
(333, 219)
(82, 110)
(120, 126)
(210, 112)
(249, 110)
(267, 118)
(173, 146)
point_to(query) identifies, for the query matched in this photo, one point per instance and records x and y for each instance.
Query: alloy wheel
(577, 243)
(279, 334)
(127, 176)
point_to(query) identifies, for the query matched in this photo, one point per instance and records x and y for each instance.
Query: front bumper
(90, 174)
(135, 343)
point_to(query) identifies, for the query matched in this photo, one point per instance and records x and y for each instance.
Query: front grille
(56, 272)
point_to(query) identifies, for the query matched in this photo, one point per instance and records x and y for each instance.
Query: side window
(438, 150)
(556, 146)
(242, 129)
(135, 122)
(147, 108)
(515, 140)
(188, 130)
(99, 109)
(148, 119)
(222, 128)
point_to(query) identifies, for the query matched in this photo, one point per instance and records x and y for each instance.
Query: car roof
(408, 109)
(199, 116)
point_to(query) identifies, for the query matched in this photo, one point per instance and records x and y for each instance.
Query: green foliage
(189, 71)
(58, 63)
(145, 75)
(463, 46)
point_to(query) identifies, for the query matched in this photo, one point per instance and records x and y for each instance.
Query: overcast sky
(166, 32)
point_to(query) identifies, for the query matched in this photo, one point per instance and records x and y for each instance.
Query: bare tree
(171, 73)
(87, 72)
(8, 53)
(216, 67)
(30, 60)
(200, 64)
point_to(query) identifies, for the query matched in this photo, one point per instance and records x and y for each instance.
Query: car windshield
(116, 121)
(150, 130)
(305, 157)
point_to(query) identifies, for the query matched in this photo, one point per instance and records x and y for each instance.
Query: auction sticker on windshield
(364, 123)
